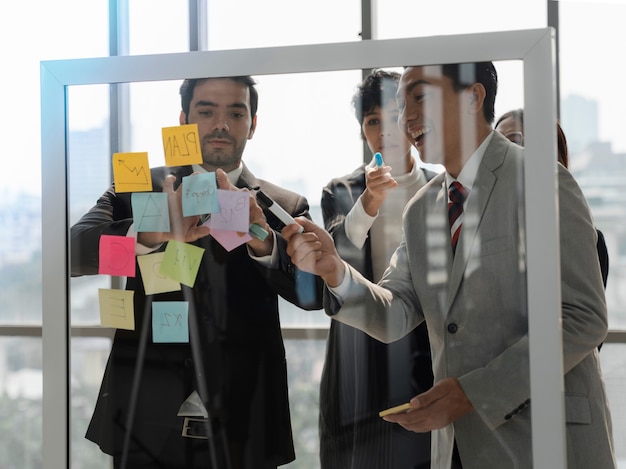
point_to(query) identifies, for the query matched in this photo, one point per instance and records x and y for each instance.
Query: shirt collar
(467, 176)
(233, 176)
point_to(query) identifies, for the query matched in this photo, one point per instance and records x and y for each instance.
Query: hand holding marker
(277, 210)
(378, 158)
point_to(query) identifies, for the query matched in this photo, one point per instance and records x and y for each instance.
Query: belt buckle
(188, 424)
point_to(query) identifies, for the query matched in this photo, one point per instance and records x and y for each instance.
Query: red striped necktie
(457, 195)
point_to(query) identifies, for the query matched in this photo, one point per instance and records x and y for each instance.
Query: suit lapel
(467, 257)
(247, 179)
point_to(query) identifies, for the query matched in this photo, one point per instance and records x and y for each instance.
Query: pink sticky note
(230, 239)
(117, 256)
(234, 214)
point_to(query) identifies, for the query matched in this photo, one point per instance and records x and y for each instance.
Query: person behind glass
(361, 375)
(511, 125)
(472, 294)
(232, 372)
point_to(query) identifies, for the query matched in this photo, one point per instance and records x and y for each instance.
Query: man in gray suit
(471, 292)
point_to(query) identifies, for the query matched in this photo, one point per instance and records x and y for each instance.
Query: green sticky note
(181, 262)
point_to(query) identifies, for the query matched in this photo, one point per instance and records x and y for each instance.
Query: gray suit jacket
(475, 308)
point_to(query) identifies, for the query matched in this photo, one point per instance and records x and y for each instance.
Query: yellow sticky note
(181, 145)
(131, 172)
(153, 280)
(116, 308)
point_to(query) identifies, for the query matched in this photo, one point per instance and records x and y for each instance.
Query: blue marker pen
(377, 161)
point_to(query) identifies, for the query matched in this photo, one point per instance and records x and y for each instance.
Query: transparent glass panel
(591, 117)
(20, 402)
(89, 356)
(154, 371)
(89, 171)
(243, 24)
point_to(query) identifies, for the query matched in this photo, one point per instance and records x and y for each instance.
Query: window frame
(535, 47)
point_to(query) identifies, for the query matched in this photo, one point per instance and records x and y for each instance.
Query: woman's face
(512, 129)
(382, 133)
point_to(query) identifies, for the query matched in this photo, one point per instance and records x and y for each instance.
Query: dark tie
(457, 194)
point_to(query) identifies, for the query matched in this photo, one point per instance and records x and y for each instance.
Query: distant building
(579, 119)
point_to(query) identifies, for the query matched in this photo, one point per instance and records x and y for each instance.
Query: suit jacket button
(452, 328)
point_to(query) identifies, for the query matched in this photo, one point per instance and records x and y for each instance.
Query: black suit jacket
(361, 375)
(235, 357)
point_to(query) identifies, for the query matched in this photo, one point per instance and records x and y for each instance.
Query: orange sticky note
(181, 145)
(131, 172)
(117, 256)
(117, 309)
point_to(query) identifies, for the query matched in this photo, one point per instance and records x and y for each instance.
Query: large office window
(328, 135)
(592, 100)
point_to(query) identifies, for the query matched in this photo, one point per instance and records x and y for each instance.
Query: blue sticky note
(200, 194)
(170, 322)
(150, 212)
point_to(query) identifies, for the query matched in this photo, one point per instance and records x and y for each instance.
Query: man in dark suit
(232, 372)
(460, 269)
(361, 375)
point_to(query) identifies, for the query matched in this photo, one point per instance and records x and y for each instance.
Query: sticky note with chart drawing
(181, 145)
(181, 262)
(117, 256)
(117, 309)
(131, 172)
(153, 280)
(150, 211)
(200, 194)
(170, 323)
(234, 214)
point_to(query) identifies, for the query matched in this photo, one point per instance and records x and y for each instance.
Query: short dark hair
(466, 74)
(371, 90)
(188, 86)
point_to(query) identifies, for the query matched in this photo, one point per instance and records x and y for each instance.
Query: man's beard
(221, 157)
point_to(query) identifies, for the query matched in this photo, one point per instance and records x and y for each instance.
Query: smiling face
(382, 133)
(221, 108)
(439, 120)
